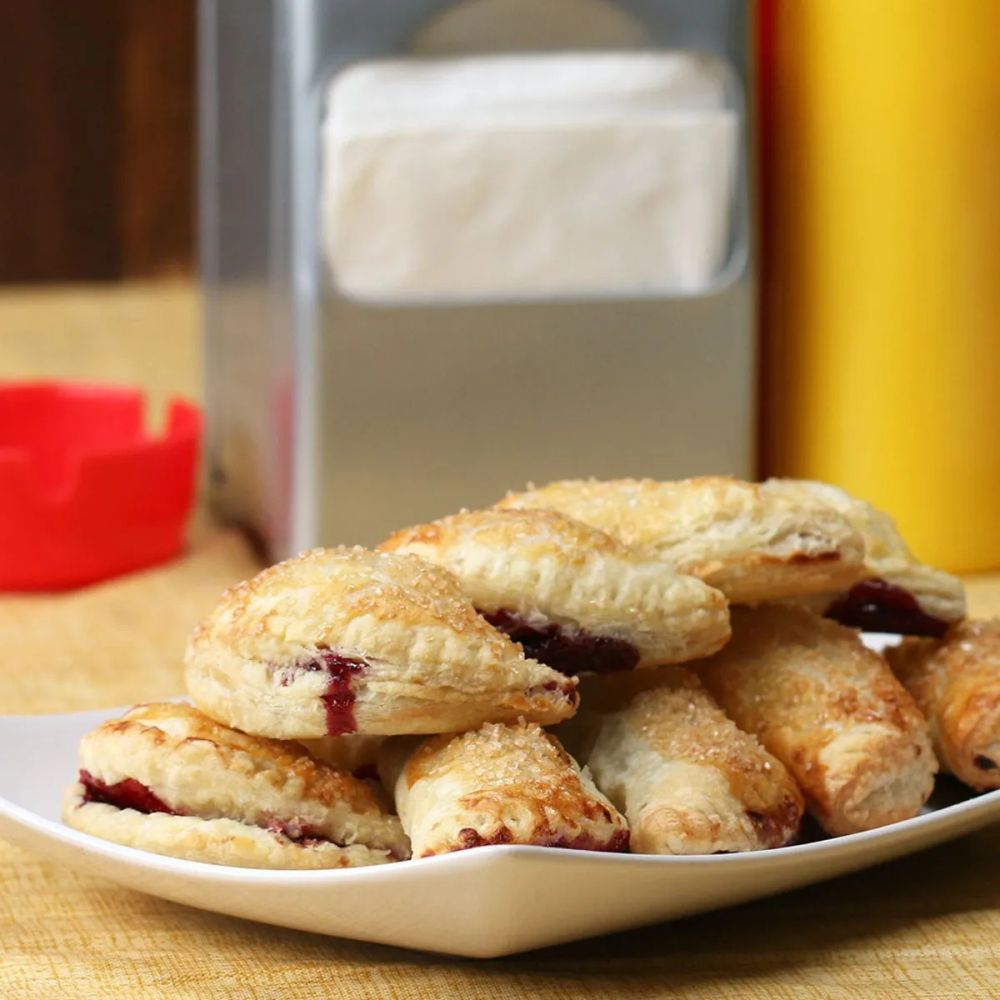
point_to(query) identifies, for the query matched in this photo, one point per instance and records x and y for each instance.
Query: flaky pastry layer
(746, 539)
(346, 640)
(549, 568)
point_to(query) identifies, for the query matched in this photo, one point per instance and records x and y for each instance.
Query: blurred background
(844, 328)
(98, 116)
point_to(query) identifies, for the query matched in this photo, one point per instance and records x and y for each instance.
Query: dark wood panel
(97, 120)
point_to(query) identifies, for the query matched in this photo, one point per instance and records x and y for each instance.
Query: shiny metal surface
(333, 421)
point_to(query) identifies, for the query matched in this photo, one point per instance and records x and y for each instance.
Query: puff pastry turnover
(899, 593)
(747, 539)
(502, 784)
(346, 640)
(166, 778)
(572, 596)
(688, 780)
(830, 710)
(956, 683)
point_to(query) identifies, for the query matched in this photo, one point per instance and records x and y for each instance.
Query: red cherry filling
(572, 652)
(339, 697)
(131, 794)
(294, 829)
(125, 794)
(878, 606)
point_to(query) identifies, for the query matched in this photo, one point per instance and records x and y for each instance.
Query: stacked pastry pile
(357, 707)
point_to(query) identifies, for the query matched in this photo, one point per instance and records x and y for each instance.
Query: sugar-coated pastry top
(348, 640)
(549, 568)
(775, 642)
(747, 539)
(689, 780)
(502, 784)
(830, 710)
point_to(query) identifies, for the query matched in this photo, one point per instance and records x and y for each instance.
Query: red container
(85, 492)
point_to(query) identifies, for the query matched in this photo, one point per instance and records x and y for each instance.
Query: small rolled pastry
(572, 596)
(346, 640)
(746, 539)
(830, 710)
(956, 683)
(165, 778)
(687, 779)
(899, 593)
(502, 784)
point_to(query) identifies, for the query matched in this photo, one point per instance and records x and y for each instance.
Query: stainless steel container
(336, 416)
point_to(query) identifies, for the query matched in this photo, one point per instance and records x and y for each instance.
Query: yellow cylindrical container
(881, 231)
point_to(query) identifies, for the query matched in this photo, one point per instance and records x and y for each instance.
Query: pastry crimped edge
(547, 567)
(956, 683)
(688, 780)
(746, 539)
(426, 662)
(233, 798)
(499, 784)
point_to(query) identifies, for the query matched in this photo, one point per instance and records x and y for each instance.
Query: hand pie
(346, 640)
(830, 710)
(572, 596)
(688, 781)
(956, 683)
(502, 784)
(746, 539)
(167, 779)
(899, 594)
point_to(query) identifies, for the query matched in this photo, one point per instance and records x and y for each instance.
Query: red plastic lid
(85, 492)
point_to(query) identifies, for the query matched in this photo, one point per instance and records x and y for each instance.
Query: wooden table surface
(927, 926)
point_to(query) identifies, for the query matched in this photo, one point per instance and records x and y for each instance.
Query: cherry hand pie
(688, 781)
(346, 640)
(572, 596)
(502, 784)
(830, 710)
(956, 683)
(166, 778)
(747, 539)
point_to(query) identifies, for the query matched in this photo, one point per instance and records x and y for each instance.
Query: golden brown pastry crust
(939, 595)
(688, 780)
(501, 784)
(549, 569)
(956, 683)
(222, 796)
(747, 539)
(353, 752)
(830, 710)
(347, 640)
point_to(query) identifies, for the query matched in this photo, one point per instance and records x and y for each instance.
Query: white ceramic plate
(482, 903)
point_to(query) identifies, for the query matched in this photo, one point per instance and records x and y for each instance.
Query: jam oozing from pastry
(985, 763)
(293, 829)
(878, 606)
(572, 652)
(125, 794)
(339, 697)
